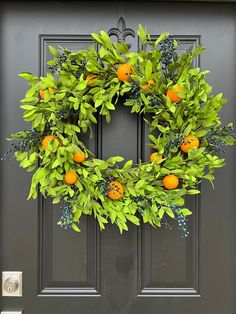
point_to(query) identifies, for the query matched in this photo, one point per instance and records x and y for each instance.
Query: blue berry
(66, 219)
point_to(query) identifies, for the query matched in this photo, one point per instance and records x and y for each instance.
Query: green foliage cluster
(74, 107)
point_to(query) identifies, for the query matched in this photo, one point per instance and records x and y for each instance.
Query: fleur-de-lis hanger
(121, 32)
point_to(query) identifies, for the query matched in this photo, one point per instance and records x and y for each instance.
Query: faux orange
(149, 84)
(146, 87)
(116, 190)
(70, 177)
(170, 182)
(49, 138)
(188, 142)
(153, 156)
(90, 78)
(124, 71)
(173, 92)
(79, 156)
(43, 92)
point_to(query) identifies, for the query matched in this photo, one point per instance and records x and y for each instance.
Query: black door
(145, 270)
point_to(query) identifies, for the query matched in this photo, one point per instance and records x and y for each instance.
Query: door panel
(169, 263)
(144, 270)
(68, 264)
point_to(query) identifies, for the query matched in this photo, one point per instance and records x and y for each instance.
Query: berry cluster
(173, 143)
(60, 60)
(155, 101)
(103, 186)
(182, 224)
(141, 201)
(216, 145)
(47, 128)
(135, 88)
(81, 68)
(9, 154)
(181, 220)
(26, 140)
(216, 141)
(62, 113)
(168, 52)
(66, 219)
(63, 58)
(137, 199)
(134, 93)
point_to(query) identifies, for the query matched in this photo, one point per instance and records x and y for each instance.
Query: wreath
(186, 134)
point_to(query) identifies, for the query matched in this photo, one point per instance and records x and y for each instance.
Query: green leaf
(102, 52)
(56, 200)
(169, 212)
(82, 85)
(20, 156)
(192, 192)
(97, 38)
(172, 108)
(131, 191)
(139, 184)
(115, 159)
(37, 120)
(98, 162)
(201, 133)
(161, 212)
(112, 216)
(75, 228)
(28, 107)
(56, 163)
(133, 219)
(197, 51)
(52, 62)
(128, 165)
(85, 173)
(121, 216)
(30, 100)
(192, 152)
(161, 37)
(53, 51)
(185, 211)
(142, 33)
(106, 39)
(148, 69)
(31, 92)
(162, 128)
(179, 121)
(121, 47)
(109, 105)
(28, 76)
(188, 129)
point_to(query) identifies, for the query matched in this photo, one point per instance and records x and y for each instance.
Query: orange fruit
(90, 78)
(70, 177)
(188, 142)
(49, 138)
(148, 85)
(52, 90)
(116, 190)
(79, 156)
(43, 92)
(153, 156)
(124, 71)
(170, 182)
(173, 92)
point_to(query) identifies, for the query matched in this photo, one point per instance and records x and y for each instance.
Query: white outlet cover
(18, 293)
